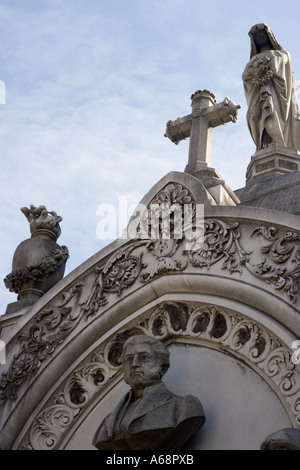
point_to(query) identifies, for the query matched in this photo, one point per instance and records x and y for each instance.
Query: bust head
(145, 360)
(161, 420)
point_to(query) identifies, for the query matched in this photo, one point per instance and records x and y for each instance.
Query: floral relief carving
(160, 235)
(49, 329)
(142, 260)
(162, 250)
(53, 421)
(221, 242)
(85, 382)
(166, 214)
(48, 265)
(165, 222)
(207, 325)
(118, 273)
(285, 252)
(246, 338)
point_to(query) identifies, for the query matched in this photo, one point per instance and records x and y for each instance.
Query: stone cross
(206, 114)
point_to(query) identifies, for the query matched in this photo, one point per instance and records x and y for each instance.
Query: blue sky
(90, 85)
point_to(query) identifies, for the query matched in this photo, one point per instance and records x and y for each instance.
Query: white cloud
(90, 86)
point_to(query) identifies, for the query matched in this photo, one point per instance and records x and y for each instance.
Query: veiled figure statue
(273, 114)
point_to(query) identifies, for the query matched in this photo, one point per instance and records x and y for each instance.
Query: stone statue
(284, 439)
(149, 416)
(38, 262)
(273, 114)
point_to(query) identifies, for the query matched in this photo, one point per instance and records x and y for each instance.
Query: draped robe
(273, 115)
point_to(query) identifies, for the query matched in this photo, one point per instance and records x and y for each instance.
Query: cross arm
(179, 129)
(221, 113)
(216, 115)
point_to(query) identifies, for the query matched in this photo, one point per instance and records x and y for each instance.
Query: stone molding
(142, 260)
(172, 322)
(278, 265)
(273, 160)
(250, 257)
(42, 338)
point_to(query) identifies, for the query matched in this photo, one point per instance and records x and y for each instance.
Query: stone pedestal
(271, 161)
(216, 186)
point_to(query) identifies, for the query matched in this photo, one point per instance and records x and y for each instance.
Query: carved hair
(161, 352)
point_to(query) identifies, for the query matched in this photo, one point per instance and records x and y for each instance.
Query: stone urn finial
(38, 262)
(42, 220)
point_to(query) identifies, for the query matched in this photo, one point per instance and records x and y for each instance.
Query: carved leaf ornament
(50, 329)
(143, 259)
(221, 329)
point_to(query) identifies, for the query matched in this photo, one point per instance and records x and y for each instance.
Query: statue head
(145, 360)
(261, 35)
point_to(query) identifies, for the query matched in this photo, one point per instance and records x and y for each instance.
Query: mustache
(154, 373)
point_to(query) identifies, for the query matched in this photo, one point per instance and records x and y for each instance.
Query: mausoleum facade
(216, 280)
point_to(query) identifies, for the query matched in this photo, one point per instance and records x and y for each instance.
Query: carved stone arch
(58, 369)
(185, 326)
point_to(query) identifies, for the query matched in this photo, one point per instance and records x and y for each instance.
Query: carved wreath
(49, 264)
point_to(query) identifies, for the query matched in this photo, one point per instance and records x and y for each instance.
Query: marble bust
(149, 416)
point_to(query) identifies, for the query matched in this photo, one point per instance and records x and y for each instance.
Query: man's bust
(284, 439)
(149, 416)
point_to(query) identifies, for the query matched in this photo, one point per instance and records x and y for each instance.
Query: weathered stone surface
(283, 439)
(206, 114)
(272, 161)
(279, 193)
(149, 416)
(226, 305)
(273, 113)
(230, 306)
(38, 262)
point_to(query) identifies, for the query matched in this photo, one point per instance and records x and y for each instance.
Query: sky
(86, 90)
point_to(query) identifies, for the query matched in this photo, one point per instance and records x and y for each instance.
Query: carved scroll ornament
(50, 328)
(142, 260)
(208, 325)
(279, 264)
